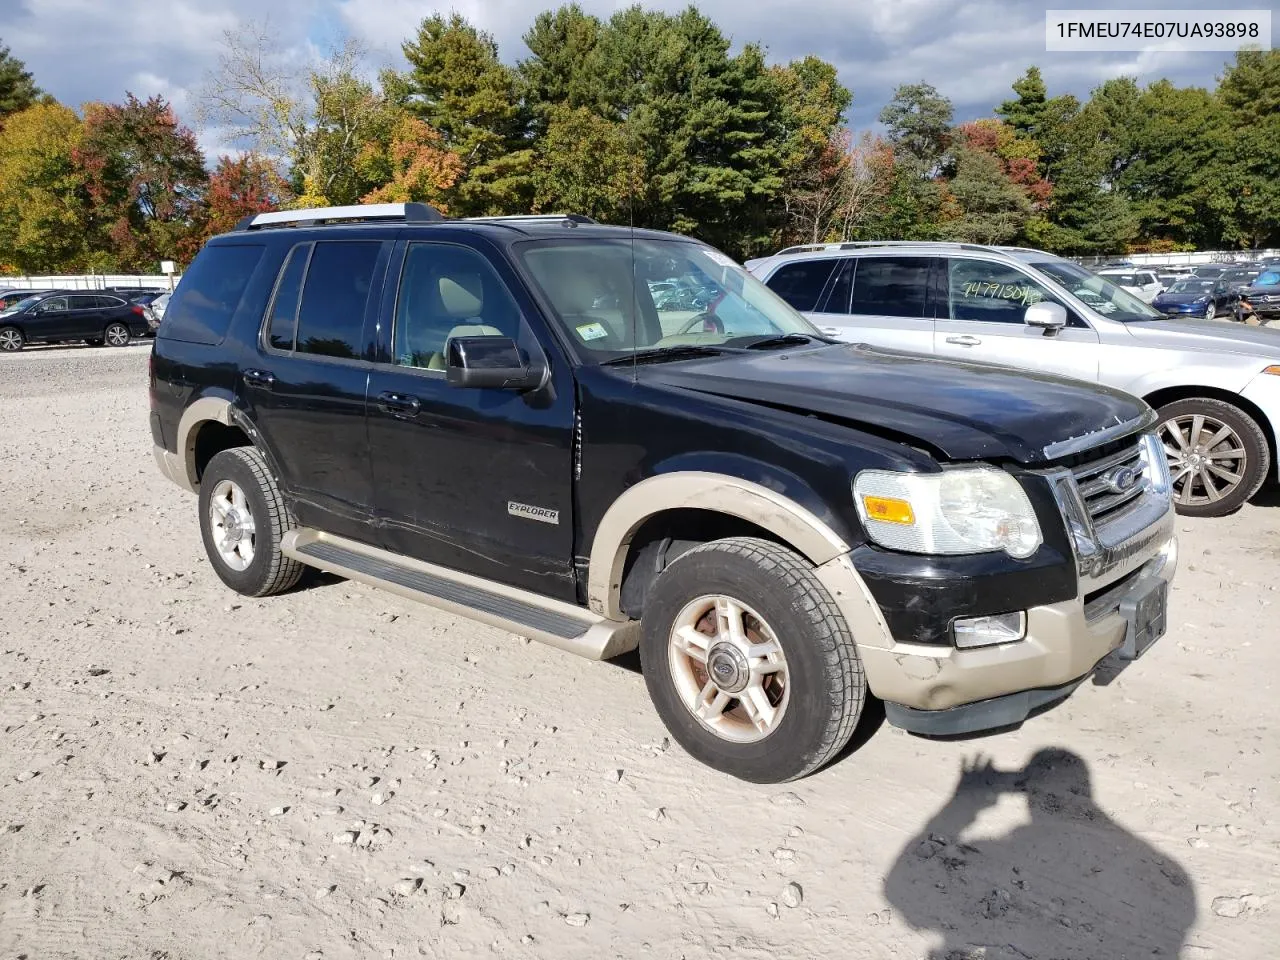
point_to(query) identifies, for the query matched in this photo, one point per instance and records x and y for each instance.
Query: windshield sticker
(1024, 294)
(592, 331)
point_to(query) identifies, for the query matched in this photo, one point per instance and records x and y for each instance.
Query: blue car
(1196, 297)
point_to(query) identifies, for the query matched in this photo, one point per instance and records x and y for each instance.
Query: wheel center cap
(231, 527)
(728, 668)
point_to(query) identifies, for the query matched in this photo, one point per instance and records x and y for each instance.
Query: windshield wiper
(684, 351)
(782, 340)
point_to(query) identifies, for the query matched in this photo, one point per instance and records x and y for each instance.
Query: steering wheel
(705, 318)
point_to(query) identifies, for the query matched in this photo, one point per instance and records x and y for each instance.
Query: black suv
(494, 417)
(65, 315)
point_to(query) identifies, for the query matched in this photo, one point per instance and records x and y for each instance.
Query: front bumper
(930, 689)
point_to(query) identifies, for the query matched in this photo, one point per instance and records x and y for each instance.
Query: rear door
(981, 319)
(305, 388)
(83, 319)
(882, 300)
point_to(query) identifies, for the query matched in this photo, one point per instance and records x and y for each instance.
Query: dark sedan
(1263, 295)
(95, 318)
(1196, 297)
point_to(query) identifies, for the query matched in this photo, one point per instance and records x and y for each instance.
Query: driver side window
(990, 292)
(448, 291)
(56, 305)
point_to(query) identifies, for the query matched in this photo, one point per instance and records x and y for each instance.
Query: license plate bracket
(1146, 615)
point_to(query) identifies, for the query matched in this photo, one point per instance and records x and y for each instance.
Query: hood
(1270, 290)
(1259, 343)
(1168, 297)
(965, 411)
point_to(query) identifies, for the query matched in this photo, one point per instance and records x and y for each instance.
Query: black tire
(270, 571)
(11, 339)
(117, 335)
(1252, 440)
(1210, 311)
(827, 688)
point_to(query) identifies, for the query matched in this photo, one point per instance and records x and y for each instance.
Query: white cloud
(972, 50)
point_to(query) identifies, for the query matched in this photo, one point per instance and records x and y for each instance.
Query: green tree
(585, 164)
(457, 84)
(145, 176)
(919, 125)
(17, 90)
(43, 206)
(562, 71)
(409, 163)
(992, 208)
(1249, 170)
(1026, 114)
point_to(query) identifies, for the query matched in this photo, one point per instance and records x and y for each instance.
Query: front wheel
(116, 335)
(1210, 311)
(1218, 455)
(749, 662)
(11, 338)
(243, 519)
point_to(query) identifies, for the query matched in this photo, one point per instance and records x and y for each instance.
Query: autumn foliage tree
(241, 186)
(145, 177)
(410, 164)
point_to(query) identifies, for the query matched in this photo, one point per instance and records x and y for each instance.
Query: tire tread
(283, 572)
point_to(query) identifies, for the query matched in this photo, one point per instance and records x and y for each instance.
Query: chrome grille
(1112, 484)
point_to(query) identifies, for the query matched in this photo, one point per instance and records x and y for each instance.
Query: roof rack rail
(408, 212)
(569, 218)
(861, 244)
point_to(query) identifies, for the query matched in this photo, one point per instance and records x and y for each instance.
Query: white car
(1143, 284)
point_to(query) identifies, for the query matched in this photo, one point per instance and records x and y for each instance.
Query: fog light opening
(987, 631)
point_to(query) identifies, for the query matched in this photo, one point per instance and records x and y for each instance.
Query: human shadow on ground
(1070, 884)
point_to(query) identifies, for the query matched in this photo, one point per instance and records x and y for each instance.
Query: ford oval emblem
(1122, 479)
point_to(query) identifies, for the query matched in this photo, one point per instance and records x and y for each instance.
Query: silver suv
(1215, 385)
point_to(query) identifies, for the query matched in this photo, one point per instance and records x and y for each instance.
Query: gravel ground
(339, 773)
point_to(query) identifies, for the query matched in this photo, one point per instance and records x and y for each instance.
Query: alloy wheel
(729, 668)
(232, 523)
(117, 335)
(10, 339)
(1207, 458)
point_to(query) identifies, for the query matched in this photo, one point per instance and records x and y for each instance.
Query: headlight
(971, 510)
(1157, 464)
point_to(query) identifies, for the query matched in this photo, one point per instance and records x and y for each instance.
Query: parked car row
(1216, 387)
(111, 317)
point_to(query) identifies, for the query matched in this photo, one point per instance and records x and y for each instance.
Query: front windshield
(614, 295)
(1270, 278)
(20, 305)
(1192, 286)
(1099, 293)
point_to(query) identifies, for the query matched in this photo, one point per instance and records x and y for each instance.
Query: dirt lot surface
(340, 773)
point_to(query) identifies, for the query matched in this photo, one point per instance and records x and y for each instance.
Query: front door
(982, 320)
(305, 388)
(478, 480)
(881, 300)
(54, 319)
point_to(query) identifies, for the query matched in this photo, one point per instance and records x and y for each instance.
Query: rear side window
(890, 286)
(201, 309)
(334, 297)
(284, 305)
(801, 284)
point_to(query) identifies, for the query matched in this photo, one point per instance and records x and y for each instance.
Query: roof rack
(862, 244)
(569, 219)
(408, 212)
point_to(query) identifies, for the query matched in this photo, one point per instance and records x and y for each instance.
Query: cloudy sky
(82, 50)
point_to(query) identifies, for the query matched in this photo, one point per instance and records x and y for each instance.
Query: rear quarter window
(201, 309)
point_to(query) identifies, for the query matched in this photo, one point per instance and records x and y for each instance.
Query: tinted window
(991, 292)
(83, 303)
(284, 305)
(207, 296)
(890, 286)
(837, 298)
(331, 315)
(446, 291)
(108, 302)
(52, 305)
(801, 284)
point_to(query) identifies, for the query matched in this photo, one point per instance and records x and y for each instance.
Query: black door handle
(259, 378)
(400, 404)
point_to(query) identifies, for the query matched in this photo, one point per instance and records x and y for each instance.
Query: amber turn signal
(888, 510)
(1274, 368)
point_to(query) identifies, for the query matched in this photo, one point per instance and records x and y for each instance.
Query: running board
(527, 614)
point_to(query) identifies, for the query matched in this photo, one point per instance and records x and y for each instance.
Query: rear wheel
(1218, 455)
(116, 335)
(749, 662)
(243, 519)
(11, 338)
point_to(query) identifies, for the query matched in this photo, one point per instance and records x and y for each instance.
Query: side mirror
(494, 363)
(1049, 317)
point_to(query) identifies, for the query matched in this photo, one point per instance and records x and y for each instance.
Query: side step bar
(553, 622)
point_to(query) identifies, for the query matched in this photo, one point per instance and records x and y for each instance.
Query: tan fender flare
(181, 467)
(697, 490)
